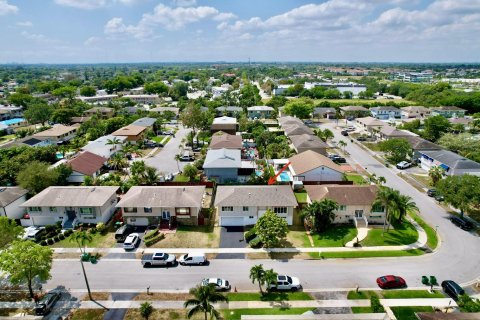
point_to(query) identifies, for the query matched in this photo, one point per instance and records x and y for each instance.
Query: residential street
(458, 257)
(164, 161)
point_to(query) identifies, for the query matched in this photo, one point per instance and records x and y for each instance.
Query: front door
(165, 215)
(358, 213)
(71, 214)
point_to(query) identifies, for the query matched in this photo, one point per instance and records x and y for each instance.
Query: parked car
(336, 158)
(45, 305)
(132, 241)
(286, 283)
(308, 121)
(197, 149)
(187, 156)
(158, 259)
(362, 138)
(217, 283)
(344, 133)
(169, 177)
(452, 288)
(403, 165)
(390, 282)
(431, 192)
(462, 223)
(122, 232)
(167, 133)
(439, 197)
(195, 258)
(350, 129)
(152, 144)
(34, 233)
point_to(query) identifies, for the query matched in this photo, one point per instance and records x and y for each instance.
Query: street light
(436, 229)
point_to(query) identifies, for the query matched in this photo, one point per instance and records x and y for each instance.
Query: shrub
(58, 225)
(61, 236)
(68, 232)
(50, 241)
(154, 240)
(50, 228)
(151, 234)
(102, 228)
(56, 239)
(250, 235)
(376, 305)
(92, 230)
(43, 243)
(256, 243)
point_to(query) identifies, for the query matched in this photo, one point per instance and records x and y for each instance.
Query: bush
(43, 243)
(155, 239)
(50, 228)
(151, 234)
(250, 235)
(61, 236)
(56, 239)
(58, 225)
(376, 305)
(102, 228)
(68, 232)
(50, 241)
(92, 230)
(468, 304)
(256, 243)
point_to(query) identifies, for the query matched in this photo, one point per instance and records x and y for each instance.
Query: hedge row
(151, 234)
(154, 239)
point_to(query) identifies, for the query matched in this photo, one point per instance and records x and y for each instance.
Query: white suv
(131, 241)
(217, 283)
(286, 283)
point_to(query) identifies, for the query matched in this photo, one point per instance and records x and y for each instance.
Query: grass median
(237, 313)
(270, 296)
(368, 254)
(432, 236)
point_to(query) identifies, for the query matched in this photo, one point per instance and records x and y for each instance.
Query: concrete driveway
(232, 237)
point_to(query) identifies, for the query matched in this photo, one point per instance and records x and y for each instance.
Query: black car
(431, 192)
(122, 233)
(362, 138)
(339, 160)
(45, 305)
(344, 133)
(451, 288)
(462, 223)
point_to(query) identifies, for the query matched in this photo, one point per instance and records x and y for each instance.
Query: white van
(195, 258)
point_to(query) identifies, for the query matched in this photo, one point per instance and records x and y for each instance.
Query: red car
(390, 282)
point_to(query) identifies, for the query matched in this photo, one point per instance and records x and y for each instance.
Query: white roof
(100, 146)
(223, 158)
(225, 120)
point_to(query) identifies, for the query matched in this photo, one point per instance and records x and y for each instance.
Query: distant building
(57, 134)
(132, 132)
(260, 112)
(385, 113)
(143, 98)
(424, 76)
(417, 112)
(449, 112)
(280, 89)
(102, 112)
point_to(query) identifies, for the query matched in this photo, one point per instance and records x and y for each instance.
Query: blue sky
(85, 31)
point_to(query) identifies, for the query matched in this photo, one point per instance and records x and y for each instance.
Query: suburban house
(222, 140)
(449, 112)
(385, 113)
(85, 164)
(306, 142)
(226, 124)
(102, 146)
(416, 112)
(453, 164)
(70, 206)
(355, 202)
(260, 112)
(465, 122)
(79, 120)
(143, 98)
(10, 112)
(10, 200)
(145, 205)
(329, 113)
(243, 205)
(145, 122)
(132, 132)
(229, 111)
(29, 141)
(389, 132)
(289, 120)
(173, 110)
(370, 124)
(312, 166)
(224, 165)
(57, 134)
(354, 111)
(99, 98)
(419, 144)
(10, 125)
(101, 112)
(295, 129)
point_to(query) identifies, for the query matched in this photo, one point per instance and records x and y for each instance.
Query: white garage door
(42, 221)
(138, 221)
(232, 221)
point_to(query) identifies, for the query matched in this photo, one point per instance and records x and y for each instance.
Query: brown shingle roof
(130, 130)
(87, 163)
(267, 196)
(56, 131)
(225, 140)
(309, 160)
(343, 194)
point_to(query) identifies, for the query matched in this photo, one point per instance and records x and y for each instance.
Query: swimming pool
(12, 121)
(284, 176)
(259, 173)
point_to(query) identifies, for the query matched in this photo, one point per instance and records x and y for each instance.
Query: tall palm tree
(138, 168)
(113, 142)
(204, 297)
(177, 158)
(270, 277)
(435, 173)
(342, 144)
(150, 176)
(82, 238)
(118, 162)
(386, 198)
(257, 273)
(327, 134)
(404, 204)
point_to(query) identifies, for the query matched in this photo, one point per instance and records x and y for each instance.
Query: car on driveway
(344, 133)
(158, 259)
(391, 282)
(285, 282)
(132, 241)
(217, 283)
(169, 177)
(403, 165)
(452, 288)
(45, 305)
(462, 223)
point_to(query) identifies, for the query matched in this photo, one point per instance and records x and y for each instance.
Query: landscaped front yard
(336, 236)
(191, 237)
(237, 313)
(355, 178)
(408, 313)
(98, 241)
(399, 234)
(270, 296)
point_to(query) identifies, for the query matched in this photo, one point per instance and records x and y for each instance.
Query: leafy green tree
(412, 126)
(324, 134)
(146, 310)
(118, 161)
(397, 150)
(157, 87)
(81, 238)
(204, 298)
(88, 91)
(332, 94)
(178, 90)
(270, 277)
(404, 205)
(65, 92)
(320, 214)
(62, 115)
(190, 171)
(300, 108)
(257, 274)
(435, 126)
(277, 102)
(192, 118)
(249, 96)
(461, 192)
(271, 229)
(37, 176)
(435, 173)
(38, 113)
(24, 261)
(20, 99)
(64, 173)
(9, 231)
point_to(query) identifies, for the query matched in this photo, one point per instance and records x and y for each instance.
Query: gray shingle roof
(165, 196)
(269, 196)
(144, 122)
(223, 158)
(71, 197)
(452, 160)
(10, 194)
(307, 141)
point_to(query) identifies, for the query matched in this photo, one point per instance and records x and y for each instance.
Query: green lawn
(98, 241)
(362, 310)
(7, 137)
(270, 296)
(336, 236)
(411, 294)
(356, 178)
(301, 197)
(88, 314)
(372, 146)
(404, 233)
(432, 237)
(369, 254)
(408, 313)
(236, 314)
(158, 139)
(181, 178)
(353, 295)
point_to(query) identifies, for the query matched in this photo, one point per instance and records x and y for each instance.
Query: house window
(35, 209)
(227, 208)
(245, 208)
(147, 210)
(378, 208)
(342, 207)
(280, 210)
(86, 210)
(250, 217)
(53, 209)
(130, 210)
(182, 211)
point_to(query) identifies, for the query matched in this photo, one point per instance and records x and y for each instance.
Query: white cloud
(27, 24)
(37, 37)
(184, 3)
(92, 41)
(6, 8)
(82, 4)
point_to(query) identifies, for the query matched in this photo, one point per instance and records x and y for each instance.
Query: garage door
(42, 221)
(232, 221)
(138, 221)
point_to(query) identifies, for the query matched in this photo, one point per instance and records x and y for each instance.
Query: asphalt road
(458, 258)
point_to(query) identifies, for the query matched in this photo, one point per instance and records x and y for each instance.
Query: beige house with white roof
(57, 133)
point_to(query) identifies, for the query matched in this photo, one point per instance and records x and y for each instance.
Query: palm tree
(386, 198)
(342, 144)
(113, 142)
(82, 238)
(204, 296)
(270, 277)
(146, 309)
(435, 173)
(320, 214)
(327, 134)
(118, 162)
(138, 168)
(404, 204)
(177, 158)
(257, 273)
(150, 176)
